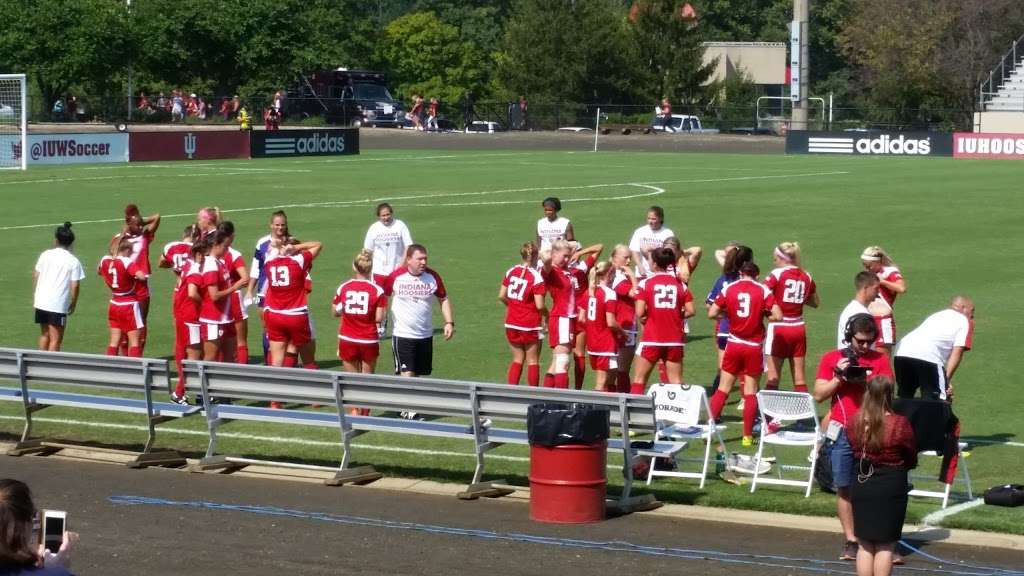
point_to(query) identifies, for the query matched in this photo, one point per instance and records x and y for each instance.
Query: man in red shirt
(842, 375)
(746, 302)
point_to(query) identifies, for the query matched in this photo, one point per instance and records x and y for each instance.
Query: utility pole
(799, 62)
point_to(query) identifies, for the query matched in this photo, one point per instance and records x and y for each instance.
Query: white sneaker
(410, 415)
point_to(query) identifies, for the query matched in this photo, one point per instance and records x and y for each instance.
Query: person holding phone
(24, 549)
(841, 377)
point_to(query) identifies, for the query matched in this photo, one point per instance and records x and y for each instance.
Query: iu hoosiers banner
(197, 145)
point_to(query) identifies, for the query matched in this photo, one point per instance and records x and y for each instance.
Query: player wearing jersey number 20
(793, 288)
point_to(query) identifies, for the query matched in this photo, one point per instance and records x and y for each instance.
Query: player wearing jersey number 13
(286, 311)
(662, 304)
(746, 303)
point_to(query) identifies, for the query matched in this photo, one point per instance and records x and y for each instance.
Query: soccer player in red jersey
(746, 303)
(188, 300)
(662, 303)
(175, 257)
(218, 330)
(286, 311)
(235, 262)
(206, 222)
(891, 284)
(140, 232)
(624, 285)
(580, 264)
(561, 285)
(603, 331)
(522, 292)
(686, 260)
(124, 315)
(793, 288)
(361, 305)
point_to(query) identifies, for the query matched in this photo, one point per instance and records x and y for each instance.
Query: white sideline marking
(934, 518)
(655, 190)
(272, 439)
(995, 442)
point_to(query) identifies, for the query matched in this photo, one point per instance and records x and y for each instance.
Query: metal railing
(997, 76)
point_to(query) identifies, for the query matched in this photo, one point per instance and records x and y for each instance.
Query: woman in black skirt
(885, 448)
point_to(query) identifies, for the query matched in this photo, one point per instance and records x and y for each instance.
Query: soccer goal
(13, 122)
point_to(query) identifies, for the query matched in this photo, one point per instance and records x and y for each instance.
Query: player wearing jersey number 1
(360, 304)
(561, 285)
(522, 292)
(123, 276)
(793, 288)
(662, 304)
(140, 232)
(746, 303)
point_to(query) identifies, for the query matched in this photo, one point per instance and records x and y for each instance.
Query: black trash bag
(1006, 495)
(557, 424)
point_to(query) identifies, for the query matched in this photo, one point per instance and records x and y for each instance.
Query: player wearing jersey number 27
(522, 292)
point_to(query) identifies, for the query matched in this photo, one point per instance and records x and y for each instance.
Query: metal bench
(137, 376)
(476, 402)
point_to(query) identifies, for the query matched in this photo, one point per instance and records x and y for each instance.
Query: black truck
(345, 97)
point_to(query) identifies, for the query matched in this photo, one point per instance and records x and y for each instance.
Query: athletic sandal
(849, 551)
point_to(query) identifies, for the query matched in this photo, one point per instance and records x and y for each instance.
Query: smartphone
(51, 533)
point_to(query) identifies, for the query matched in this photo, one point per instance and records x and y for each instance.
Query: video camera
(853, 372)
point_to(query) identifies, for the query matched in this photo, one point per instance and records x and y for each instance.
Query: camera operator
(841, 378)
(21, 553)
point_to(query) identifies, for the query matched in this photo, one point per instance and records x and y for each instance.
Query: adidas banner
(318, 142)
(870, 143)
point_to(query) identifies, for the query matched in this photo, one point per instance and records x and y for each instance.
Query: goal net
(13, 122)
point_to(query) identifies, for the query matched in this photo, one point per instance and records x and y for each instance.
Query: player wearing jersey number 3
(522, 292)
(662, 304)
(793, 288)
(746, 302)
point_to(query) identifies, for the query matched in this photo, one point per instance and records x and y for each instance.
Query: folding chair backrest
(677, 404)
(786, 405)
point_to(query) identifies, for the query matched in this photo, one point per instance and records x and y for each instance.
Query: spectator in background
(162, 103)
(885, 448)
(666, 115)
(192, 105)
(71, 104)
(278, 103)
(523, 125)
(416, 113)
(225, 108)
(56, 277)
(144, 104)
(272, 119)
(58, 109)
(19, 552)
(200, 108)
(243, 119)
(432, 114)
(177, 107)
(236, 106)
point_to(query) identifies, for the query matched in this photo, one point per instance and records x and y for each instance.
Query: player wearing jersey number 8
(522, 292)
(603, 331)
(793, 288)
(662, 304)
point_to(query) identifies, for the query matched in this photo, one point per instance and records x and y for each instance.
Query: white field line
(994, 442)
(224, 166)
(269, 439)
(936, 517)
(655, 190)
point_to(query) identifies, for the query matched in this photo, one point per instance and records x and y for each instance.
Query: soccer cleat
(275, 405)
(739, 405)
(182, 400)
(849, 551)
(410, 415)
(748, 441)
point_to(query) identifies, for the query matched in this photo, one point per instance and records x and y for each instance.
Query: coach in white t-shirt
(56, 277)
(867, 285)
(412, 288)
(648, 237)
(388, 238)
(929, 355)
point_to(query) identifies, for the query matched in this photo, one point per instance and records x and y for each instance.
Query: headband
(782, 255)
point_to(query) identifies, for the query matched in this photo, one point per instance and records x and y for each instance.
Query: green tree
(426, 56)
(670, 51)
(63, 44)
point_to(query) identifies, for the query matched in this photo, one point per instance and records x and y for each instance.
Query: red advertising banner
(198, 145)
(985, 145)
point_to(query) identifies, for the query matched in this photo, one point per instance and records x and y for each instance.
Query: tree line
(911, 59)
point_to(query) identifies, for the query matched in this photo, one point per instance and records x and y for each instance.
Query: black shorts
(48, 318)
(414, 355)
(912, 374)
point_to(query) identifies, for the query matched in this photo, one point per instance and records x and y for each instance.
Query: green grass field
(952, 226)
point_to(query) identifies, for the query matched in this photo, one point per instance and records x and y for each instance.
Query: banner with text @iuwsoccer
(319, 142)
(75, 148)
(870, 143)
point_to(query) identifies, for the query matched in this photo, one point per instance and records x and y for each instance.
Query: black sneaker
(182, 400)
(849, 551)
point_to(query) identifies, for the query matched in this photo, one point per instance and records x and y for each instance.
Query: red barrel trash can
(568, 482)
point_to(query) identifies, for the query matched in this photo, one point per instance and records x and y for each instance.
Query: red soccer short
(349, 351)
(518, 337)
(187, 334)
(786, 340)
(653, 353)
(886, 331)
(290, 328)
(561, 331)
(743, 359)
(125, 317)
(238, 311)
(603, 363)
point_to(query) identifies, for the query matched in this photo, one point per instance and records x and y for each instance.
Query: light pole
(128, 7)
(799, 63)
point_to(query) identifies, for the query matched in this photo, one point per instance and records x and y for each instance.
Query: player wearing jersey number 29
(746, 302)
(361, 305)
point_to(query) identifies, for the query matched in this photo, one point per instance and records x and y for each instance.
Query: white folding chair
(677, 410)
(944, 494)
(782, 408)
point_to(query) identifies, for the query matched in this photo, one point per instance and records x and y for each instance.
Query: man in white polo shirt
(56, 277)
(412, 287)
(867, 286)
(929, 355)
